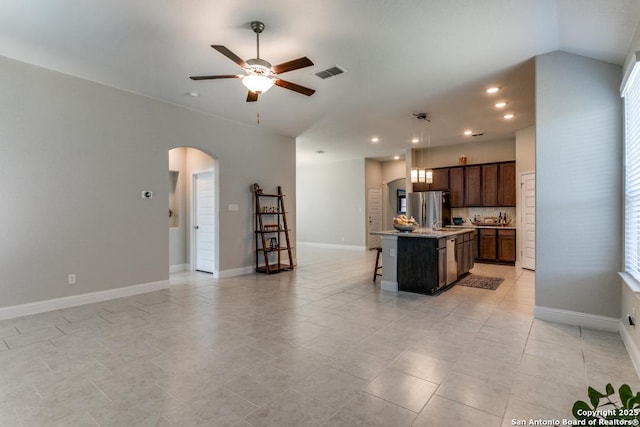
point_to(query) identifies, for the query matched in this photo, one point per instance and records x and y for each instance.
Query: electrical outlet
(71, 279)
(392, 252)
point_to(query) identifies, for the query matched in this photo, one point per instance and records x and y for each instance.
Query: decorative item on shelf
(257, 189)
(462, 159)
(271, 227)
(273, 243)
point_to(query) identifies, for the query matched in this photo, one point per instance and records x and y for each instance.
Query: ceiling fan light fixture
(257, 83)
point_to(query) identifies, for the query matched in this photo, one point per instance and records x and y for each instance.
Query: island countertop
(425, 233)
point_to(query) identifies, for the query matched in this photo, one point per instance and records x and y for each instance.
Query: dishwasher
(452, 262)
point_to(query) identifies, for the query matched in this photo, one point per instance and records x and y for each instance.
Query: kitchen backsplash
(466, 213)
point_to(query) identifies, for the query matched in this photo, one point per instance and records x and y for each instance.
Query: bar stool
(378, 266)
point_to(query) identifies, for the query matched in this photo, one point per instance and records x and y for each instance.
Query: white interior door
(528, 220)
(204, 214)
(374, 214)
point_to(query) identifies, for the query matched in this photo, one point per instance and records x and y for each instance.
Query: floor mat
(474, 281)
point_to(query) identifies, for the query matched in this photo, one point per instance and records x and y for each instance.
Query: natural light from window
(631, 94)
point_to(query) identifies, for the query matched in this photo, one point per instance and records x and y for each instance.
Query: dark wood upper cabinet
(490, 185)
(456, 187)
(440, 180)
(507, 184)
(472, 187)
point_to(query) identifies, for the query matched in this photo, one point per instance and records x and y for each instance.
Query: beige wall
(476, 152)
(393, 170)
(74, 158)
(578, 182)
(331, 203)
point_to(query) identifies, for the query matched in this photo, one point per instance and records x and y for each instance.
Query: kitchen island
(426, 260)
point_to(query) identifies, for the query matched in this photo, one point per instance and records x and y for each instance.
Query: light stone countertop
(472, 227)
(425, 233)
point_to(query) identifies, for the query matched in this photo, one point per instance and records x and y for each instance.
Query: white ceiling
(401, 57)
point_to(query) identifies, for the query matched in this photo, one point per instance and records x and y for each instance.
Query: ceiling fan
(260, 74)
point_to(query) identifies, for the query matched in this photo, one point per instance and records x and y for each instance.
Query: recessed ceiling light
(493, 89)
(396, 157)
(193, 94)
(468, 132)
(501, 104)
(415, 140)
(375, 139)
(509, 116)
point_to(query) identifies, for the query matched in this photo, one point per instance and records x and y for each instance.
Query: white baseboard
(389, 286)
(233, 272)
(632, 348)
(576, 318)
(331, 246)
(75, 300)
(178, 268)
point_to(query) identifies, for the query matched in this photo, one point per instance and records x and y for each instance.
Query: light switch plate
(233, 207)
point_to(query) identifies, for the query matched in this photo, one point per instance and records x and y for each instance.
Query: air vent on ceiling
(330, 72)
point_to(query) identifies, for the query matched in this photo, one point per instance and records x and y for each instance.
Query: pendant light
(422, 174)
(429, 171)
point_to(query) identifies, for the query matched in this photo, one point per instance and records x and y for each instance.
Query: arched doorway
(394, 203)
(193, 211)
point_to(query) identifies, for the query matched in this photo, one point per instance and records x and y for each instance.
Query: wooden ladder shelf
(272, 232)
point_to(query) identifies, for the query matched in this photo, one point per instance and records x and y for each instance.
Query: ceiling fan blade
(294, 87)
(226, 76)
(232, 56)
(252, 96)
(292, 65)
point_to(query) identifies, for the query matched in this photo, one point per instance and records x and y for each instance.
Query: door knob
(197, 227)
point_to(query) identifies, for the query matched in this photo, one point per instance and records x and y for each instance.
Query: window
(631, 94)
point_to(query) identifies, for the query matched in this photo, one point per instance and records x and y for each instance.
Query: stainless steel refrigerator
(429, 208)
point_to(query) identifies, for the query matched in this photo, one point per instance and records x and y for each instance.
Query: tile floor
(319, 346)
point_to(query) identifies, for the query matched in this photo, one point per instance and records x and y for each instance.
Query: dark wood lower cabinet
(465, 252)
(422, 262)
(487, 245)
(496, 245)
(442, 263)
(460, 256)
(469, 252)
(507, 245)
